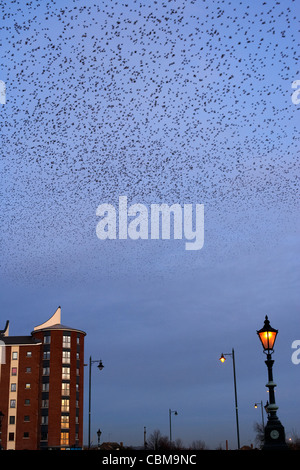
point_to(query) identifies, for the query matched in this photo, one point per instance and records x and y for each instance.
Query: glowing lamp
(267, 336)
(222, 358)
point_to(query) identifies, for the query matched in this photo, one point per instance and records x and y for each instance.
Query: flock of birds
(162, 101)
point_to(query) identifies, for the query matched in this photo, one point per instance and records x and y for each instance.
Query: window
(45, 403)
(28, 370)
(14, 371)
(64, 422)
(64, 438)
(26, 418)
(11, 436)
(77, 372)
(12, 420)
(65, 404)
(44, 436)
(66, 373)
(66, 341)
(13, 387)
(66, 357)
(47, 339)
(14, 355)
(26, 435)
(27, 386)
(28, 354)
(12, 403)
(44, 420)
(45, 387)
(46, 370)
(65, 389)
(78, 340)
(46, 355)
(27, 401)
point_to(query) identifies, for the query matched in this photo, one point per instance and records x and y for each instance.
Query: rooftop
(54, 323)
(12, 340)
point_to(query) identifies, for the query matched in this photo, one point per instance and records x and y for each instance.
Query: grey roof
(59, 326)
(11, 340)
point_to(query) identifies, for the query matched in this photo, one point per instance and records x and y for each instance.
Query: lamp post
(145, 440)
(262, 412)
(99, 435)
(274, 431)
(170, 421)
(100, 367)
(223, 359)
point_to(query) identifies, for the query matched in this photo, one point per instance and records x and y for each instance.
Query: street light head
(100, 365)
(222, 358)
(267, 336)
(175, 413)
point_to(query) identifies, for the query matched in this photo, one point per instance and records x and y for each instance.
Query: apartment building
(41, 387)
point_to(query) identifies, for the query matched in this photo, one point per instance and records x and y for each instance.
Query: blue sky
(164, 102)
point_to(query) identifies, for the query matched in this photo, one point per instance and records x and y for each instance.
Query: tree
(198, 445)
(294, 443)
(158, 442)
(178, 444)
(260, 434)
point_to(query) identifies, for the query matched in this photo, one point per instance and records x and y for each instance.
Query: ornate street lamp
(267, 336)
(223, 359)
(274, 430)
(170, 421)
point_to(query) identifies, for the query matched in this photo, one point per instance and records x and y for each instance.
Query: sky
(164, 102)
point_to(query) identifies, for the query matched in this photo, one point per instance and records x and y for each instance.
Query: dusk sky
(164, 102)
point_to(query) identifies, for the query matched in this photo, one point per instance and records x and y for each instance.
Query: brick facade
(41, 388)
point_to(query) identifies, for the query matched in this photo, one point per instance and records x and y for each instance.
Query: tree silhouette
(157, 441)
(260, 434)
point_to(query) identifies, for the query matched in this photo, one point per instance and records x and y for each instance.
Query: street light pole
(100, 367)
(262, 412)
(222, 359)
(274, 431)
(170, 421)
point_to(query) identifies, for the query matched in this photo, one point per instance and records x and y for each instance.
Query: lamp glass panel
(268, 339)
